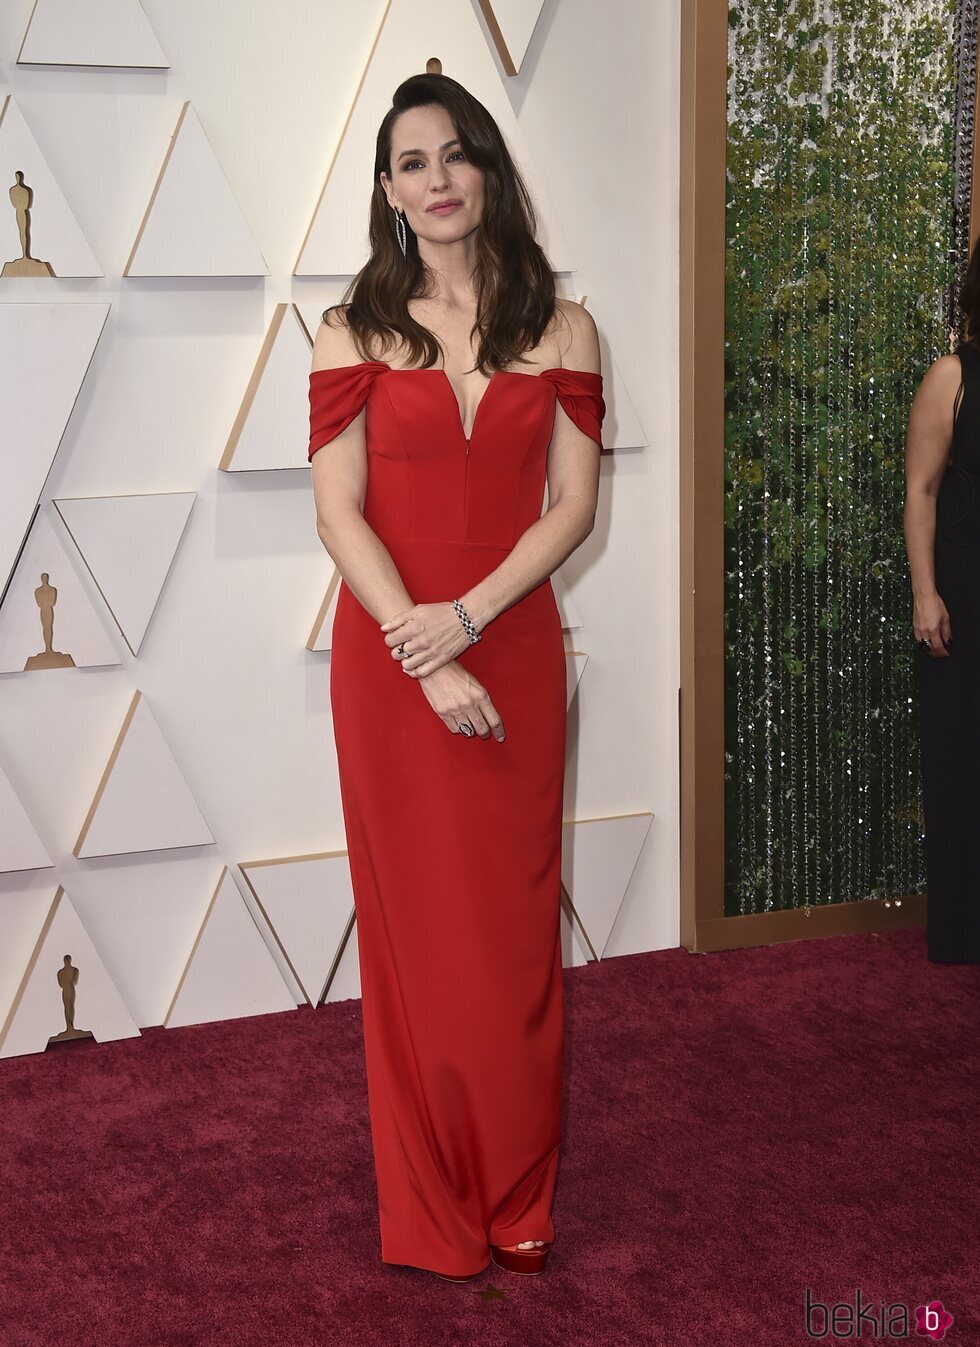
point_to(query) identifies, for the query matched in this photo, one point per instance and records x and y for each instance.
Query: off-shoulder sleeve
(580, 394)
(336, 397)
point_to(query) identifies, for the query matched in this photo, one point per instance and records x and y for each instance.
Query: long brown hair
(515, 284)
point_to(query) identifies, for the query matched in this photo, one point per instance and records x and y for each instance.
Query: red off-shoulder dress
(454, 843)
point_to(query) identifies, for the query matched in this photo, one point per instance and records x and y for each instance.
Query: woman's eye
(455, 154)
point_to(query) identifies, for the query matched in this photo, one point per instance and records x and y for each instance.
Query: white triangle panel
(143, 802)
(272, 429)
(511, 23)
(38, 1012)
(45, 350)
(230, 972)
(621, 427)
(91, 33)
(23, 912)
(20, 846)
(50, 623)
(575, 662)
(193, 226)
(307, 902)
(128, 544)
(598, 860)
(144, 916)
(410, 35)
(57, 246)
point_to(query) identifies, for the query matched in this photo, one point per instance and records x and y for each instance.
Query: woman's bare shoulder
(578, 337)
(333, 344)
(940, 382)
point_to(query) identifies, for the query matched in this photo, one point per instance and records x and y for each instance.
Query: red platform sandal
(528, 1262)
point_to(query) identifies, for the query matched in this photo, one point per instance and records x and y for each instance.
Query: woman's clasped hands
(425, 637)
(426, 640)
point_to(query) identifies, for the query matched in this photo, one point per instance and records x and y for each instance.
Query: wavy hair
(515, 285)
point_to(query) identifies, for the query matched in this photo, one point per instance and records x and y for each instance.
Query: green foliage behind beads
(841, 249)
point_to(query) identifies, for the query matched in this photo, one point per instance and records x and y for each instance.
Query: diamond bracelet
(464, 617)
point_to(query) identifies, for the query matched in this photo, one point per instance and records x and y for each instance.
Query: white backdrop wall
(242, 703)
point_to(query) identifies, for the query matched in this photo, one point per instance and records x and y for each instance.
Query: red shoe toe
(526, 1261)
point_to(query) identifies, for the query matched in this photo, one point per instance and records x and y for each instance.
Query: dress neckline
(437, 369)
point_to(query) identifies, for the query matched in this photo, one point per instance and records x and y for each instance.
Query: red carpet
(739, 1128)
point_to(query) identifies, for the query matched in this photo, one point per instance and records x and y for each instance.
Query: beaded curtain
(847, 215)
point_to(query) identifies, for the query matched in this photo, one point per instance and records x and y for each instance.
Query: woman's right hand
(930, 620)
(456, 696)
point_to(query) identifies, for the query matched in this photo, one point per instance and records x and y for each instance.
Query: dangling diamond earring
(401, 231)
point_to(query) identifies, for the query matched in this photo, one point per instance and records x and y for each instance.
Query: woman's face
(429, 169)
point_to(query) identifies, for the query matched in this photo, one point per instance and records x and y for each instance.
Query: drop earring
(401, 231)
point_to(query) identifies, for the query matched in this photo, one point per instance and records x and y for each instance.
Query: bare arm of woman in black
(927, 446)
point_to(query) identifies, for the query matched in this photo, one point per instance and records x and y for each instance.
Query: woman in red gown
(447, 676)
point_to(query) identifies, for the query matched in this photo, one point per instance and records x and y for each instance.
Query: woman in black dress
(942, 540)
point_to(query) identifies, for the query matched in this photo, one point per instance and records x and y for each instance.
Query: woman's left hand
(432, 635)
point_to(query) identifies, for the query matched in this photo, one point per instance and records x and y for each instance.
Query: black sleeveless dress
(949, 696)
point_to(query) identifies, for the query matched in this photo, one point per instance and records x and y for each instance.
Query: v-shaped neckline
(459, 414)
(438, 369)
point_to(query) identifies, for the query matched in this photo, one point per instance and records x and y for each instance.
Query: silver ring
(466, 728)
(401, 648)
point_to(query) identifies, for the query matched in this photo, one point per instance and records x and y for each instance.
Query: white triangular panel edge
(598, 860)
(193, 225)
(575, 662)
(272, 428)
(45, 352)
(408, 36)
(142, 802)
(230, 972)
(128, 544)
(307, 902)
(55, 235)
(20, 846)
(78, 637)
(621, 427)
(108, 33)
(345, 983)
(23, 911)
(321, 636)
(37, 1011)
(511, 24)
(575, 951)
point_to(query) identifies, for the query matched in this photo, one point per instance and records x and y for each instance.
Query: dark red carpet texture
(742, 1131)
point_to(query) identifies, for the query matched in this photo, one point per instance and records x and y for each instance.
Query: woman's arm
(339, 485)
(573, 487)
(928, 442)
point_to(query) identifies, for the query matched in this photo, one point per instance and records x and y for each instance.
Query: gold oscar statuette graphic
(22, 198)
(67, 979)
(46, 596)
